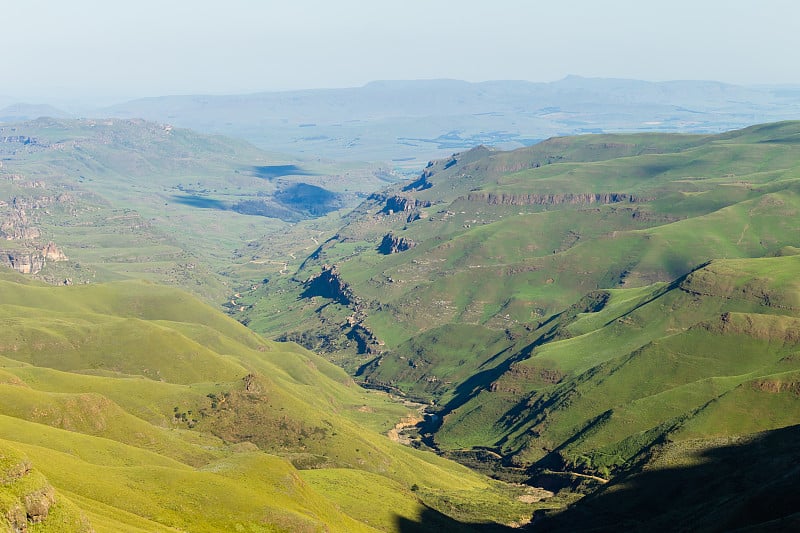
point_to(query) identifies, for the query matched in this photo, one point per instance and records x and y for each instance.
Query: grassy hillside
(141, 406)
(710, 355)
(129, 199)
(567, 307)
(504, 240)
(746, 483)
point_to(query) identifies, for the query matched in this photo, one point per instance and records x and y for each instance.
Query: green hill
(504, 240)
(569, 306)
(147, 410)
(129, 199)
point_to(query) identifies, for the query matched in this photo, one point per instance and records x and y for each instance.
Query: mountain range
(409, 122)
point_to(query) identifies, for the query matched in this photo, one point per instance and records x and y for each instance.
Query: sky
(111, 51)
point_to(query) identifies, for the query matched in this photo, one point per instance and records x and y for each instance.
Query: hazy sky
(115, 50)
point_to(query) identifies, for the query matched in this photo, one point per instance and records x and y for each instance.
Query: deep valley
(553, 337)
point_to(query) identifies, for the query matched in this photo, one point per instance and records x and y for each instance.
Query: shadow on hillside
(751, 486)
(435, 522)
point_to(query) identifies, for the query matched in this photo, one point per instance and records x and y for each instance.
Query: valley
(564, 324)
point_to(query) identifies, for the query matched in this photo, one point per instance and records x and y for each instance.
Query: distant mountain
(410, 122)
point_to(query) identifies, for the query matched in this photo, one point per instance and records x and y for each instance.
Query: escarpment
(501, 198)
(400, 204)
(392, 244)
(31, 261)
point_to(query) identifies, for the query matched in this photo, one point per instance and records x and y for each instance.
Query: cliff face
(51, 252)
(421, 183)
(401, 204)
(392, 244)
(31, 261)
(23, 262)
(492, 198)
(329, 284)
(18, 217)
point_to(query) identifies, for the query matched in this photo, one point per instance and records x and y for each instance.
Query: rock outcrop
(16, 226)
(26, 499)
(401, 204)
(502, 198)
(392, 244)
(27, 261)
(51, 252)
(421, 183)
(329, 284)
(24, 262)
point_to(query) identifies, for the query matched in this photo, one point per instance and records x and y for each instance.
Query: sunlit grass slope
(504, 241)
(147, 410)
(711, 355)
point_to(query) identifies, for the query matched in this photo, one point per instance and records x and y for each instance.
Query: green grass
(144, 405)
(715, 353)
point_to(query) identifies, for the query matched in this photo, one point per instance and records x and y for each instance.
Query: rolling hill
(129, 199)
(569, 307)
(585, 315)
(135, 407)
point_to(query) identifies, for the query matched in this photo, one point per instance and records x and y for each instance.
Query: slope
(142, 405)
(566, 308)
(709, 355)
(129, 199)
(504, 240)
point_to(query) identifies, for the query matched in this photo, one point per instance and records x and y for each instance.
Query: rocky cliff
(329, 284)
(51, 252)
(24, 262)
(31, 261)
(399, 204)
(392, 244)
(501, 198)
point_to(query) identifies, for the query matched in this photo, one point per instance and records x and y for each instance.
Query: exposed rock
(17, 519)
(365, 339)
(329, 284)
(53, 252)
(10, 230)
(391, 244)
(16, 226)
(35, 203)
(401, 204)
(492, 198)
(421, 183)
(23, 262)
(15, 471)
(252, 384)
(37, 504)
